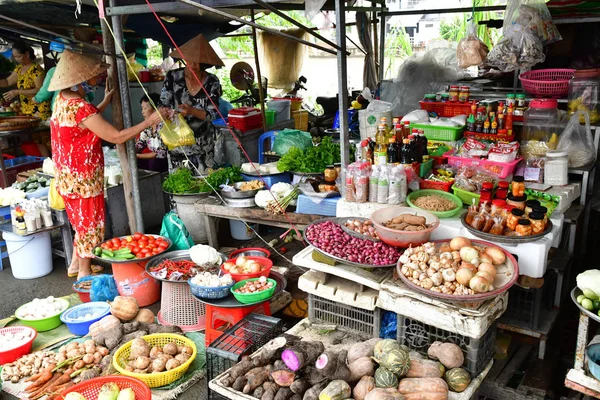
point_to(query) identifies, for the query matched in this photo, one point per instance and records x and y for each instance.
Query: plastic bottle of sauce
(405, 152)
(486, 126)
(494, 125)
(392, 154)
(471, 123)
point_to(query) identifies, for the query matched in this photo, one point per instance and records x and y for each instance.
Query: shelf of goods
(309, 331)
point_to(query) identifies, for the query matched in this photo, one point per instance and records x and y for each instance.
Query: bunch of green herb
(220, 177)
(313, 160)
(182, 181)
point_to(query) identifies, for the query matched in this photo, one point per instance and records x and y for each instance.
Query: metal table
(10, 228)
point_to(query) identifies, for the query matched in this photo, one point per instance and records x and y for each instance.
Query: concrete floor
(16, 292)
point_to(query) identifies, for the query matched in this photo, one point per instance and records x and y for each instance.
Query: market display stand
(577, 378)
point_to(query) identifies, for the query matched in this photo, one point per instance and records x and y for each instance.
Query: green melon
(396, 361)
(458, 379)
(385, 378)
(384, 346)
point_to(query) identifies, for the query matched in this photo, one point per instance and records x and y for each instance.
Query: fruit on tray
(131, 247)
(255, 286)
(41, 308)
(243, 266)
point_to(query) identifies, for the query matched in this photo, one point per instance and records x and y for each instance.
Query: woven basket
(18, 123)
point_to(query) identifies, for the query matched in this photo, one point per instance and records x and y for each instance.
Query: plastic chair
(261, 144)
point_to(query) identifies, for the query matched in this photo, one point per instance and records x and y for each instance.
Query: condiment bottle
(486, 126)
(471, 123)
(501, 122)
(392, 154)
(537, 222)
(380, 155)
(502, 190)
(20, 225)
(494, 126)
(512, 220)
(405, 152)
(486, 192)
(464, 94)
(524, 227)
(510, 100)
(518, 186)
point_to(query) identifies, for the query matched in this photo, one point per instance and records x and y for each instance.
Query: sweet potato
(314, 391)
(256, 377)
(283, 393)
(270, 389)
(364, 366)
(302, 355)
(239, 383)
(299, 386)
(283, 377)
(362, 349)
(241, 368)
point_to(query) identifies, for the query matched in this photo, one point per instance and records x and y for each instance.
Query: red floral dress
(79, 166)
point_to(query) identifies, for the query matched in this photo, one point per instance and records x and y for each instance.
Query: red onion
(331, 238)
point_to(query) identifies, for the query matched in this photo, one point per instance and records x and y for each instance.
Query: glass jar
(502, 190)
(330, 174)
(512, 220)
(530, 205)
(584, 94)
(524, 228)
(537, 222)
(540, 128)
(486, 194)
(430, 98)
(520, 101)
(517, 201)
(464, 94)
(518, 186)
(445, 98)
(510, 100)
(453, 93)
(544, 211)
(556, 168)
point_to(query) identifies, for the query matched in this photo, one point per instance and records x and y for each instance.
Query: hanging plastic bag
(471, 51)
(177, 133)
(289, 138)
(533, 14)
(104, 288)
(577, 141)
(174, 229)
(54, 198)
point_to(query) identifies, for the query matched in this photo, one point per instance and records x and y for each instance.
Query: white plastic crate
(307, 206)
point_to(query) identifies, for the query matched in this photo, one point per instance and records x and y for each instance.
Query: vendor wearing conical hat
(194, 93)
(77, 129)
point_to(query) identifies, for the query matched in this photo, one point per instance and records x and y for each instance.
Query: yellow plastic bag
(177, 133)
(136, 66)
(54, 198)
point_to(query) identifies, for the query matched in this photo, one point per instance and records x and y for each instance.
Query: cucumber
(98, 251)
(123, 258)
(108, 253)
(123, 251)
(106, 257)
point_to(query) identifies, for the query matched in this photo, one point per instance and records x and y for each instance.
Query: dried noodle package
(471, 51)
(177, 133)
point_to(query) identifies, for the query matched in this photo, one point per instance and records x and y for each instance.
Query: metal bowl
(176, 255)
(250, 252)
(240, 203)
(239, 194)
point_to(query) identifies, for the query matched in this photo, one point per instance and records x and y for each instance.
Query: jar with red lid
(502, 190)
(453, 93)
(486, 194)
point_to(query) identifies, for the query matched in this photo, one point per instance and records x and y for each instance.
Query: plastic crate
(270, 180)
(525, 305)
(300, 120)
(446, 109)
(500, 169)
(429, 184)
(364, 322)
(466, 197)
(443, 133)
(326, 207)
(242, 339)
(419, 336)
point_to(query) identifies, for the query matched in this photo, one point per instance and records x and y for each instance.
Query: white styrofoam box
(558, 221)
(338, 289)
(449, 228)
(395, 296)
(359, 210)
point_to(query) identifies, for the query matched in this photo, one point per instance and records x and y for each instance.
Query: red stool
(217, 317)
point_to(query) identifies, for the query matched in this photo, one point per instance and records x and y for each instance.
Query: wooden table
(211, 209)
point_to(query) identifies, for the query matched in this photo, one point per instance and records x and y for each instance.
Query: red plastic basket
(13, 354)
(547, 82)
(490, 136)
(446, 109)
(263, 261)
(429, 184)
(501, 169)
(90, 389)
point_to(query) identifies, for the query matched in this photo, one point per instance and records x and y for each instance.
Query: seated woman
(152, 152)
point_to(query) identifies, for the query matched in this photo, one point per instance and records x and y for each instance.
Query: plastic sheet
(104, 288)
(289, 138)
(389, 325)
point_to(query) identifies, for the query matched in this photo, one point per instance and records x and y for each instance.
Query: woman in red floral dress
(77, 129)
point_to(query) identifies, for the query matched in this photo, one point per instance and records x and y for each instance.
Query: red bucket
(133, 280)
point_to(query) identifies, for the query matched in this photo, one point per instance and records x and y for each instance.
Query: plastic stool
(261, 144)
(217, 317)
(179, 307)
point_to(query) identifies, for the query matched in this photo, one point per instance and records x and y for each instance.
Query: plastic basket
(266, 263)
(443, 133)
(440, 214)
(326, 207)
(435, 185)
(547, 82)
(446, 109)
(84, 295)
(91, 389)
(82, 327)
(300, 118)
(44, 324)
(248, 298)
(425, 168)
(500, 169)
(363, 322)
(160, 378)
(467, 198)
(11, 355)
(179, 307)
(205, 292)
(419, 336)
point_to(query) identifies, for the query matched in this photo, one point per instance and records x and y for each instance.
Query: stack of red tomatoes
(141, 245)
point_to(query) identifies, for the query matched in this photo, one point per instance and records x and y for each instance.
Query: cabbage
(589, 283)
(262, 197)
(202, 254)
(109, 391)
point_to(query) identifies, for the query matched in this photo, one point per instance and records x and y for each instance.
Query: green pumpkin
(397, 361)
(458, 379)
(385, 378)
(383, 347)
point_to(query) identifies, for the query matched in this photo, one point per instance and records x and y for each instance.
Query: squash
(105, 324)
(362, 349)
(383, 347)
(336, 390)
(384, 394)
(458, 379)
(384, 378)
(124, 308)
(363, 387)
(425, 369)
(448, 354)
(364, 366)
(423, 389)
(397, 361)
(144, 315)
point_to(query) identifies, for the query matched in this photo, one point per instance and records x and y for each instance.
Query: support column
(340, 33)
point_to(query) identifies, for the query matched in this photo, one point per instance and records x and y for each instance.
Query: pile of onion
(477, 270)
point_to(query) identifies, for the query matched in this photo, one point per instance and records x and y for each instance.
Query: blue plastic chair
(261, 144)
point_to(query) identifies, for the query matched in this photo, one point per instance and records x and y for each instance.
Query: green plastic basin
(46, 324)
(248, 298)
(428, 192)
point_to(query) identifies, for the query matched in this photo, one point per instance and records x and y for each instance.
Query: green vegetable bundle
(183, 181)
(220, 177)
(313, 160)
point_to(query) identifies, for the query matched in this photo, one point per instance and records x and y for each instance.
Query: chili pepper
(283, 250)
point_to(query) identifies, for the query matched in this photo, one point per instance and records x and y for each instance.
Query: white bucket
(239, 230)
(30, 256)
(281, 108)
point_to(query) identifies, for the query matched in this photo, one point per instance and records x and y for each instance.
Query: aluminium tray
(505, 239)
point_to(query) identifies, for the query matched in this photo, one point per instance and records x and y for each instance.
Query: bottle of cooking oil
(381, 145)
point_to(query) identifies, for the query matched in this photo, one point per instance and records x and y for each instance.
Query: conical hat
(198, 50)
(74, 68)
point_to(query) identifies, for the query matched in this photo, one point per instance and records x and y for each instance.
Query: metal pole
(340, 33)
(382, 32)
(443, 10)
(258, 75)
(257, 26)
(127, 120)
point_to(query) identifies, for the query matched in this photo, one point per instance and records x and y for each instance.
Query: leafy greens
(312, 160)
(183, 181)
